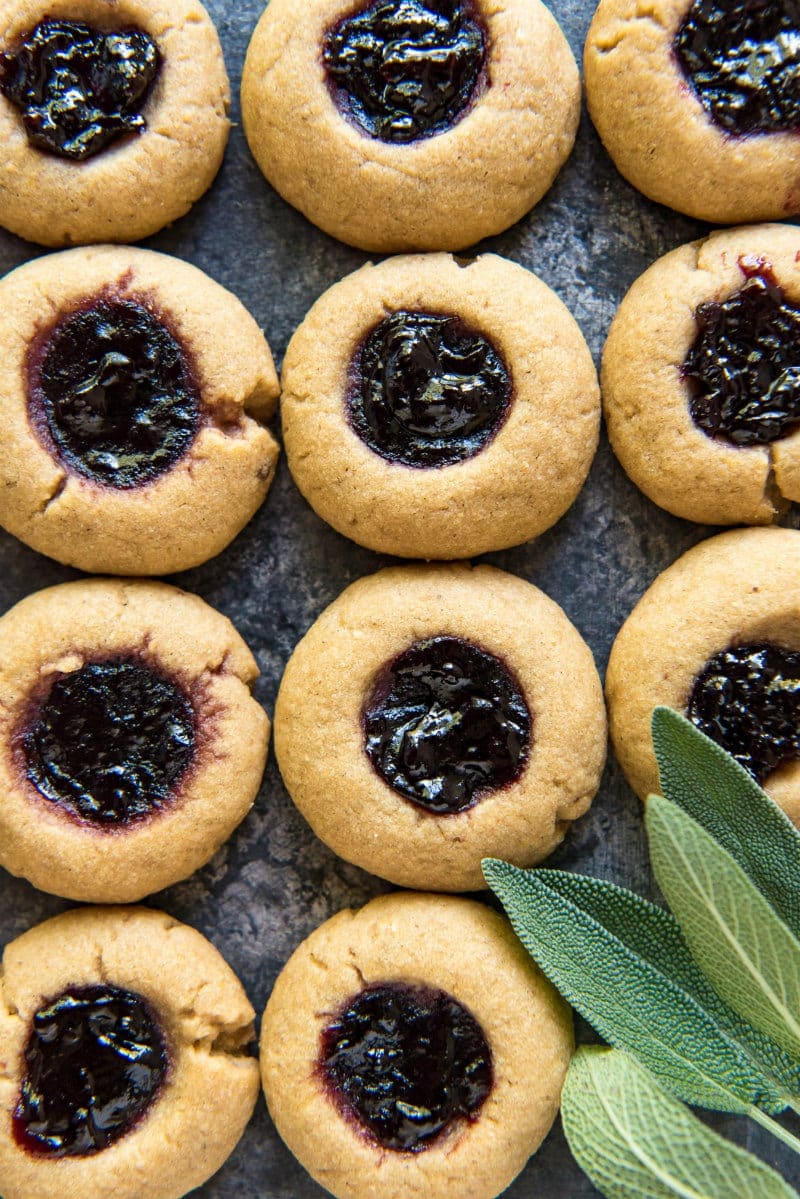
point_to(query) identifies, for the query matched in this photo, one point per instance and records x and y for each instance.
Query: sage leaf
(712, 787)
(623, 965)
(637, 1142)
(750, 957)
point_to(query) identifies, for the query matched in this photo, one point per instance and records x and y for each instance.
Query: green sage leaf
(711, 786)
(624, 966)
(637, 1142)
(751, 958)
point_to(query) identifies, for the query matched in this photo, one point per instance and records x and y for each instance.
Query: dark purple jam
(79, 88)
(111, 387)
(406, 69)
(94, 1063)
(743, 370)
(110, 742)
(446, 724)
(743, 62)
(427, 391)
(747, 699)
(406, 1063)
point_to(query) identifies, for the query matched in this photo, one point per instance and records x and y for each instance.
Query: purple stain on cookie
(743, 62)
(426, 390)
(407, 69)
(405, 1064)
(79, 88)
(95, 1061)
(446, 724)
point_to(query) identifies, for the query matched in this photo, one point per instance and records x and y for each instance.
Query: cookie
(410, 124)
(130, 745)
(403, 981)
(436, 715)
(113, 116)
(717, 637)
(696, 101)
(135, 393)
(433, 409)
(701, 377)
(123, 1038)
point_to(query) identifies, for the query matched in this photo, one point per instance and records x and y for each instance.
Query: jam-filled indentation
(111, 388)
(405, 1063)
(79, 88)
(446, 724)
(743, 369)
(427, 391)
(406, 69)
(743, 61)
(95, 1062)
(109, 743)
(747, 699)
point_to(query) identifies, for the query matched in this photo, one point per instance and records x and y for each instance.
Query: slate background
(274, 882)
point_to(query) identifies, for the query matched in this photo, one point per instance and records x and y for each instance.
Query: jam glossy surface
(743, 61)
(110, 742)
(405, 1063)
(79, 88)
(747, 699)
(743, 370)
(446, 724)
(427, 391)
(406, 69)
(94, 1063)
(114, 391)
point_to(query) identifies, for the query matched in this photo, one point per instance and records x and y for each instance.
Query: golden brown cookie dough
(206, 1097)
(548, 706)
(662, 138)
(647, 398)
(439, 943)
(738, 589)
(444, 191)
(535, 456)
(144, 180)
(89, 512)
(189, 772)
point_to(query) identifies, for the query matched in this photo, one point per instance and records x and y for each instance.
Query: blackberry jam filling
(406, 69)
(743, 62)
(110, 742)
(743, 370)
(747, 699)
(95, 1061)
(110, 386)
(427, 391)
(79, 88)
(447, 723)
(406, 1062)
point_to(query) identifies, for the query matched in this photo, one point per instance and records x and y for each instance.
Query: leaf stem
(775, 1128)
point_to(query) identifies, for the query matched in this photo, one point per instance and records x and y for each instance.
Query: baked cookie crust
(142, 182)
(517, 486)
(320, 738)
(208, 1096)
(55, 632)
(441, 192)
(433, 941)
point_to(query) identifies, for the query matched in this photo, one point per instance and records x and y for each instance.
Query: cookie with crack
(136, 391)
(410, 124)
(124, 1039)
(701, 377)
(475, 1070)
(113, 116)
(697, 103)
(130, 744)
(717, 637)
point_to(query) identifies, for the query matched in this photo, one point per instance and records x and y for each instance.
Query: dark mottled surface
(273, 883)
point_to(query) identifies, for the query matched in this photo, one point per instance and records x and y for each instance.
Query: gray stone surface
(274, 882)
